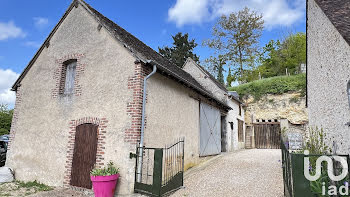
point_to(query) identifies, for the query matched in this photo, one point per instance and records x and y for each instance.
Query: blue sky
(24, 25)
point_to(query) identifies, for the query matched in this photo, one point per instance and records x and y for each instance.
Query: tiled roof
(147, 53)
(338, 12)
(141, 51)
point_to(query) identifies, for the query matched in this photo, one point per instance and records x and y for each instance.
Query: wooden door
(84, 156)
(267, 136)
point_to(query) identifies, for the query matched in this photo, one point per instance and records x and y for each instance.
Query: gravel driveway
(245, 173)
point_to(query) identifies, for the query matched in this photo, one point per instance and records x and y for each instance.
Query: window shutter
(70, 77)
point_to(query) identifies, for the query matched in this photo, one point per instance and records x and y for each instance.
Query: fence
(287, 171)
(295, 182)
(162, 169)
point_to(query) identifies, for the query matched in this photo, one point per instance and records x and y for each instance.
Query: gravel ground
(245, 173)
(63, 192)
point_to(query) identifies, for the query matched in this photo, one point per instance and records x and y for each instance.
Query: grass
(20, 188)
(34, 184)
(273, 85)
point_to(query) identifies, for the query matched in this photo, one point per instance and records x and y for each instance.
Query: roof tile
(338, 12)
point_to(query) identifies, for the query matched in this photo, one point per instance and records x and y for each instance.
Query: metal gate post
(157, 171)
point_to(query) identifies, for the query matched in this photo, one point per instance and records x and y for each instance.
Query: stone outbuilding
(234, 136)
(328, 73)
(80, 100)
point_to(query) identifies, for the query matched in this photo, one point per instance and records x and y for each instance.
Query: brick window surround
(60, 74)
(101, 136)
(134, 108)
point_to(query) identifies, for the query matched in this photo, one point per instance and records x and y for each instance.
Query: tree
(229, 78)
(220, 76)
(293, 51)
(182, 49)
(271, 59)
(236, 37)
(5, 119)
(277, 56)
(215, 65)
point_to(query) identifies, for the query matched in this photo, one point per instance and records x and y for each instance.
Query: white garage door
(210, 134)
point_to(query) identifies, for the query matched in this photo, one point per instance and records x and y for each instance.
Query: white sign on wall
(295, 141)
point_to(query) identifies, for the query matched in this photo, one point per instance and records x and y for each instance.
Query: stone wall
(43, 135)
(232, 116)
(328, 75)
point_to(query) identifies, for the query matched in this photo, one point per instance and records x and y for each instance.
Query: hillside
(274, 85)
(281, 97)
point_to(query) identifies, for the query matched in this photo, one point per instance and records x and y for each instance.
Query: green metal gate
(295, 182)
(162, 169)
(287, 171)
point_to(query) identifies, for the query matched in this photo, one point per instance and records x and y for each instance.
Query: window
(68, 76)
(240, 110)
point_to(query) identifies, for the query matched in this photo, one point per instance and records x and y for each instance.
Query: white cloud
(7, 79)
(275, 12)
(10, 30)
(188, 12)
(32, 44)
(40, 22)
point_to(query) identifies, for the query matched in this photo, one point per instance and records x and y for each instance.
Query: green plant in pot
(104, 180)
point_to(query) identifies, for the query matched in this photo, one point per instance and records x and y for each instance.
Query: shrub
(316, 142)
(106, 171)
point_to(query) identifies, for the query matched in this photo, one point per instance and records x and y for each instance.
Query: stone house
(235, 137)
(328, 73)
(82, 94)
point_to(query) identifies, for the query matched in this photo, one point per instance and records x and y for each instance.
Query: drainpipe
(139, 166)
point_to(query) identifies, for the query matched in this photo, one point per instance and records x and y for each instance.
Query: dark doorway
(223, 134)
(84, 156)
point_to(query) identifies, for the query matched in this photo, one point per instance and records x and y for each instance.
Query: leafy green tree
(277, 56)
(215, 65)
(5, 119)
(236, 38)
(182, 49)
(294, 51)
(220, 76)
(229, 78)
(272, 59)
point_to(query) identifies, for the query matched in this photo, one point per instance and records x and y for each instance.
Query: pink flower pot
(104, 186)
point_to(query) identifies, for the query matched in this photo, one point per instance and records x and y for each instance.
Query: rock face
(289, 106)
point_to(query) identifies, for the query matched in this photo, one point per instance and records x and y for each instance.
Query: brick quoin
(15, 117)
(134, 108)
(60, 75)
(101, 136)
